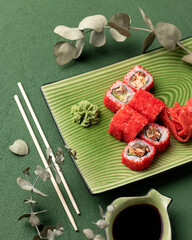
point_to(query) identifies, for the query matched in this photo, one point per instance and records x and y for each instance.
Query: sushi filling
(139, 80)
(153, 133)
(138, 150)
(121, 93)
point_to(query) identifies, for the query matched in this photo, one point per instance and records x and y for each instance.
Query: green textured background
(27, 40)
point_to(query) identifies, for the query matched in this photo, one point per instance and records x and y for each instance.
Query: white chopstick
(48, 146)
(45, 162)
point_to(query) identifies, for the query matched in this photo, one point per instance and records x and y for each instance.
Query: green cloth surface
(27, 41)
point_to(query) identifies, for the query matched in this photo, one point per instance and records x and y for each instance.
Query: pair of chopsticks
(43, 157)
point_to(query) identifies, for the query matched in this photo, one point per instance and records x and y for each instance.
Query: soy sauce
(141, 221)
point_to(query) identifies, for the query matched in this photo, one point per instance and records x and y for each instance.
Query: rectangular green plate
(98, 153)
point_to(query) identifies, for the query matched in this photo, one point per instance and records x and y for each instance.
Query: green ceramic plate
(98, 153)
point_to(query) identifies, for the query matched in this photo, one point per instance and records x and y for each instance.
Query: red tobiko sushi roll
(156, 135)
(132, 127)
(117, 96)
(127, 123)
(147, 104)
(116, 127)
(119, 120)
(138, 155)
(138, 77)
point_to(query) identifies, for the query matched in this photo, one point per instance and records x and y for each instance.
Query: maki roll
(147, 104)
(138, 77)
(138, 155)
(117, 95)
(127, 123)
(156, 135)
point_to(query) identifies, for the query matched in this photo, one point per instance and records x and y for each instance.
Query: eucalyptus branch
(48, 232)
(119, 25)
(88, 31)
(142, 29)
(39, 233)
(181, 45)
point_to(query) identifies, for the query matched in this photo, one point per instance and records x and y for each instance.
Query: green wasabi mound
(85, 113)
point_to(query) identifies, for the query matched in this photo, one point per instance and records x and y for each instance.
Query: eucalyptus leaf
(121, 23)
(187, 58)
(45, 230)
(58, 178)
(66, 53)
(58, 232)
(96, 22)
(111, 208)
(147, 19)
(26, 171)
(167, 34)
(43, 173)
(24, 184)
(34, 220)
(50, 235)
(30, 201)
(49, 150)
(39, 192)
(74, 154)
(59, 157)
(49, 161)
(98, 237)
(102, 223)
(148, 41)
(88, 233)
(116, 35)
(27, 215)
(55, 52)
(19, 147)
(60, 151)
(79, 47)
(69, 33)
(101, 213)
(97, 39)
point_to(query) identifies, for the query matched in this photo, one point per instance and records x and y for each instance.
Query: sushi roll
(138, 155)
(147, 104)
(156, 135)
(127, 123)
(138, 77)
(117, 96)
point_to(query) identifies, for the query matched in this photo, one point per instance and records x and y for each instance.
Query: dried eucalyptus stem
(48, 232)
(167, 34)
(142, 29)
